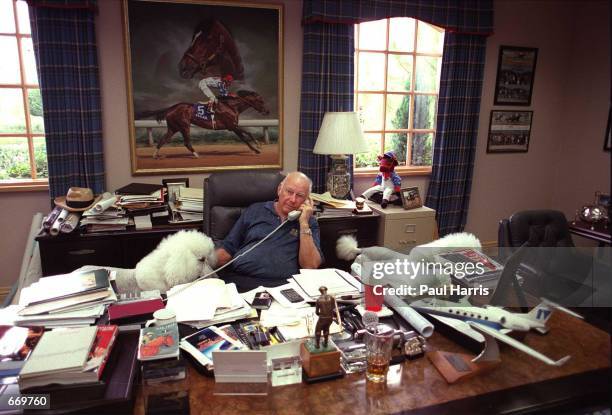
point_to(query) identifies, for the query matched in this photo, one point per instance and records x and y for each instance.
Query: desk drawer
(59, 257)
(404, 234)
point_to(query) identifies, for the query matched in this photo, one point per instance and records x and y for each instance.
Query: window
(397, 77)
(23, 153)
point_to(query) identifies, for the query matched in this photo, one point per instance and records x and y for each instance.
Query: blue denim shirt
(277, 257)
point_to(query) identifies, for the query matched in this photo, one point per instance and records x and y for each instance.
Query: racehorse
(179, 117)
(212, 52)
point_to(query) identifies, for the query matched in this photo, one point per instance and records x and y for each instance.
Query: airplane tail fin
(542, 312)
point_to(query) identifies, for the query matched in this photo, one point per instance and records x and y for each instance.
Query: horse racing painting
(204, 85)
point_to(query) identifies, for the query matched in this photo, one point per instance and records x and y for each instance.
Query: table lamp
(340, 135)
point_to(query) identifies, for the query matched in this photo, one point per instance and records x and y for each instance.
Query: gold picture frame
(182, 54)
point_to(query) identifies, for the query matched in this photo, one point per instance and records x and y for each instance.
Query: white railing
(151, 124)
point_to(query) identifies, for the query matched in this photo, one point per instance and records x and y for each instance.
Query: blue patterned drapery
(467, 23)
(457, 129)
(63, 33)
(327, 85)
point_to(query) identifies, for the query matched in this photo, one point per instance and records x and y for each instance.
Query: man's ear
(278, 189)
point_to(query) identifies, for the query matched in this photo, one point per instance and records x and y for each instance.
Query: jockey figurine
(221, 84)
(387, 181)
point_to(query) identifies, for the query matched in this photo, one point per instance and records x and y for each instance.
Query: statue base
(319, 362)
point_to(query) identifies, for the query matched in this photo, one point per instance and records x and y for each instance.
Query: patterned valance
(459, 16)
(65, 4)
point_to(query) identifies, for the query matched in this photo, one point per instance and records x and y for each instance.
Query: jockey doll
(387, 181)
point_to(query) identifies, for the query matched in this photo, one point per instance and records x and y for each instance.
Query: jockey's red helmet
(228, 78)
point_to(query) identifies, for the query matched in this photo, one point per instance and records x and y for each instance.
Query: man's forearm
(223, 257)
(309, 256)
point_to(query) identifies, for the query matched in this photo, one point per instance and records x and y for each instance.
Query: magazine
(484, 271)
(158, 342)
(202, 343)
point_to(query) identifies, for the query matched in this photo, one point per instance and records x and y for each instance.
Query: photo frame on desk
(172, 186)
(411, 199)
(201, 51)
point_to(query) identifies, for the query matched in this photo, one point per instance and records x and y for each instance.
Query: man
(222, 84)
(295, 245)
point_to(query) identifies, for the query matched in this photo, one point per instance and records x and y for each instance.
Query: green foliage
(15, 163)
(35, 102)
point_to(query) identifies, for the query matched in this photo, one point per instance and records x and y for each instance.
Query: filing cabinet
(402, 230)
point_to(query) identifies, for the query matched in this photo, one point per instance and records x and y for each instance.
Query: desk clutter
(136, 204)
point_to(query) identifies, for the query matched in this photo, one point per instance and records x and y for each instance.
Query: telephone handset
(294, 215)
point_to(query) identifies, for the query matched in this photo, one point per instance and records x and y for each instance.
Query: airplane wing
(518, 345)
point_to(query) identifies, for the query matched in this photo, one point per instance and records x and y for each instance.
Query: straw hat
(78, 199)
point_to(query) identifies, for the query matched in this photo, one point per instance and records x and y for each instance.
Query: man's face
(292, 194)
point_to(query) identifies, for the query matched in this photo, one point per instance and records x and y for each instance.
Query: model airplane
(494, 321)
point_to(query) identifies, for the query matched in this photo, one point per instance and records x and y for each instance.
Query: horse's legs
(239, 132)
(163, 141)
(187, 141)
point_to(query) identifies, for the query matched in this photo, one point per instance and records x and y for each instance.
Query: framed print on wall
(515, 74)
(509, 131)
(204, 85)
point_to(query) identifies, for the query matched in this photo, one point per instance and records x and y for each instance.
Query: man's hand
(306, 208)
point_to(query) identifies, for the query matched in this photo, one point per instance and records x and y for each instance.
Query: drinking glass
(379, 343)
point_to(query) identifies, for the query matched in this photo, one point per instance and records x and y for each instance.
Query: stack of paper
(188, 206)
(69, 299)
(105, 216)
(294, 323)
(338, 282)
(207, 302)
(326, 198)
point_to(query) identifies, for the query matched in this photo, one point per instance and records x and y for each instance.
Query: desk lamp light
(340, 135)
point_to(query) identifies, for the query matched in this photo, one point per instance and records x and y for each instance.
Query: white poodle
(179, 258)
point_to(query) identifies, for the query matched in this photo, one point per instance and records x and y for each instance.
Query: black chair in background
(547, 228)
(227, 194)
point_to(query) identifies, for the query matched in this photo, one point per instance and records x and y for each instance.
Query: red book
(101, 349)
(135, 310)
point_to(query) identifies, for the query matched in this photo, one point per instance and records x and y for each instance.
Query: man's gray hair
(301, 176)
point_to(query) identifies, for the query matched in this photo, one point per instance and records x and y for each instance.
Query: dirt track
(210, 156)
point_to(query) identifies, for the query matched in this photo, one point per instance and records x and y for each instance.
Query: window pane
(373, 35)
(36, 111)
(429, 39)
(29, 61)
(424, 112)
(427, 74)
(23, 17)
(422, 149)
(400, 73)
(401, 34)
(370, 107)
(397, 142)
(40, 158)
(9, 70)
(369, 159)
(14, 158)
(12, 118)
(7, 19)
(371, 71)
(398, 110)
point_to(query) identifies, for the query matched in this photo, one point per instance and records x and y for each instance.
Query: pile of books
(141, 198)
(66, 300)
(112, 218)
(188, 205)
(72, 356)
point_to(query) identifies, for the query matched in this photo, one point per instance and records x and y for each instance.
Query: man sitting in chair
(295, 245)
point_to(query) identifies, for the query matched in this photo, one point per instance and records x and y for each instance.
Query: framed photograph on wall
(509, 131)
(204, 85)
(515, 74)
(411, 199)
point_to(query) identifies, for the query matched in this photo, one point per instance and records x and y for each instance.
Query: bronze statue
(327, 311)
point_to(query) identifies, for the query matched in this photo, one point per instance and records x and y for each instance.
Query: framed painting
(204, 85)
(509, 131)
(515, 74)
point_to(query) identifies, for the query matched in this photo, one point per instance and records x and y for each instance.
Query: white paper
(336, 281)
(198, 301)
(143, 222)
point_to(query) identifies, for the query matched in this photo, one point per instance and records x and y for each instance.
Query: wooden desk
(596, 231)
(519, 383)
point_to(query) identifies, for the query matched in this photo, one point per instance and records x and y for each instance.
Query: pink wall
(569, 104)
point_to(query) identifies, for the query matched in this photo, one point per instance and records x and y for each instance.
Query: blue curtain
(457, 129)
(327, 85)
(467, 23)
(63, 33)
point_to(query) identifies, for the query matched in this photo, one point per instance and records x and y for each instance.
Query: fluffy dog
(178, 259)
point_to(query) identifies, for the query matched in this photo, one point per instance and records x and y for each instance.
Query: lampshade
(340, 133)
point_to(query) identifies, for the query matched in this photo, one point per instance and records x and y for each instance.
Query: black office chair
(547, 228)
(227, 194)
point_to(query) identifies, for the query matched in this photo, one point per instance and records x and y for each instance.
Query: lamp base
(338, 178)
